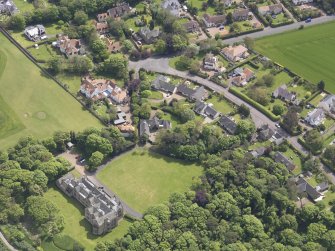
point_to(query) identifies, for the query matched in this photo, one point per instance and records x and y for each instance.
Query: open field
(76, 226)
(308, 52)
(144, 179)
(32, 104)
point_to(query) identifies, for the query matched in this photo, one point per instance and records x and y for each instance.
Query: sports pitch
(31, 103)
(309, 52)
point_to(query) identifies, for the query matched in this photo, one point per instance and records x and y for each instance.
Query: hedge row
(254, 104)
(242, 33)
(282, 24)
(313, 96)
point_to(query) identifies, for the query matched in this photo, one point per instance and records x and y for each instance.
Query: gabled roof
(240, 13)
(191, 25)
(119, 10)
(304, 187)
(218, 19)
(282, 92)
(199, 107)
(210, 111)
(280, 158)
(228, 124)
(163, 83)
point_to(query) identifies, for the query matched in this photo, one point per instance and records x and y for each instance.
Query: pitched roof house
(280, 158)
(328, 103)
(214, 21)
(228, 124)
(162, 83)
(315, 117)
(197, 94)
(172, 6)
(304, 187)
(35, 33)
(70, 47)
(205, 110)
(192, 26)
(101, 27)
(323, 186)
(8, 7)
(241, 14)
(210, 62)
(102, 211)
(227, 3)
(96, 89)
(265, 132)
(299, 2)
(116, 12)
(119, 11)
(235, 53)
(258, 152)
(148, 126)
(282, 93)
(149, 36)
(273, 9)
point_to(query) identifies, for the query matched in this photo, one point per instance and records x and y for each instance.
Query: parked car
(308, 20)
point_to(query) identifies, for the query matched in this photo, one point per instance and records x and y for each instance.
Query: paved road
(161, 65)
(268, 31)
(10, 247)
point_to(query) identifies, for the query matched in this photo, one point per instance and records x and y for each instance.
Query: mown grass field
(308, 52)
(31, 103)
(145, 179)
(76, 226)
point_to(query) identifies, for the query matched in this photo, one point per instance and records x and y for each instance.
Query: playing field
(309, 52)
(144, 180)
(31, 103)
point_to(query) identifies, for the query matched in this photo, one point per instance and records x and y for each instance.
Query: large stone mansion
(102, 211)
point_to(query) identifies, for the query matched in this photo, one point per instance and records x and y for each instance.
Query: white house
(211, 62)
(235, 53)
(35, 33)
(299, 2)
(315, 117)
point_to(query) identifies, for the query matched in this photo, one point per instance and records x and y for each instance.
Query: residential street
(161, 65)
(272, 31)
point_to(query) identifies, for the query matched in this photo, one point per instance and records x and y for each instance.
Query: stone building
(102, 211)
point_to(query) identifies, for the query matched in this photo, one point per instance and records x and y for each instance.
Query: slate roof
(280, 158)
(322, 187)
(282, 92)
(191, 26)
(149, 125)
(304, 187)
(199, 107)
(197, 94)
(228, 124)
(265, 132)
(119, 10)
(162, 83)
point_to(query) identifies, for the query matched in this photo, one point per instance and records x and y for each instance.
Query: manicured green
(145, 179)
(76, 226)
(176, 64)
(32, 102)
(222, 105)
(156, 95)
(308, 52)
(43, 52)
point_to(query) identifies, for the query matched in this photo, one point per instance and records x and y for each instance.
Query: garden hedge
(254, 104)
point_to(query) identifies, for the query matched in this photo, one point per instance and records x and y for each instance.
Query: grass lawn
(280, 18)
(156, 95)
(73, 81)
(315, 101)
(222, 106)
(198, 4)
(44, 52)
(76, 226)
(24, 5)
(308, 52)
(173, 119)
(38, 105)
(145, 179)
(175, 63)
(295, 159)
